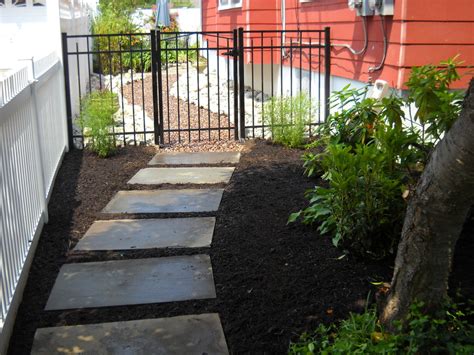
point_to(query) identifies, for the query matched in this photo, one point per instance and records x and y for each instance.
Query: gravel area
(190, 115)
(204, 146)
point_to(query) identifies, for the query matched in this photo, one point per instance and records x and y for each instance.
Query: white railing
(41, 65)
(33, 140)
(12, 84)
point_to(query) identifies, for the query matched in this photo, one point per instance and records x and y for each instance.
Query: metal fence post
(235, 51)
(155, 69)
(67, 90)
(241, 82)
(327, 70)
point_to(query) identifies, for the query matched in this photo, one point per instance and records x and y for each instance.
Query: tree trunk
(434, 220)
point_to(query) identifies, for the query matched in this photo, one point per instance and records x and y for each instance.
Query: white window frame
(229, 5)
(28, 4)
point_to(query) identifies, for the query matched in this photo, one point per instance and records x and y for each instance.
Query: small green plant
(97, 121)
(446, 332)
(362, 208)
(289, 119)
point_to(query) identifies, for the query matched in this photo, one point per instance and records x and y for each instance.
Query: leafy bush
(133, 51)
(138, 61)
(112, 20)
(170, 55)
(371, 156)
(355, 120)
(363, 206)
(97, 121)
(447, 332)
(437, 106)
(288, 118)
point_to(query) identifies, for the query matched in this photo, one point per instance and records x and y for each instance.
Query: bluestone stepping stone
(194, 334)
(153, 176)
(148, 233)
(134, 281)
(195, 158)
(165, 201)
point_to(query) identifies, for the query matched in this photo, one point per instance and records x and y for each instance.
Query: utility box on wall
(361, 6)
(382, 7)
(371, 7)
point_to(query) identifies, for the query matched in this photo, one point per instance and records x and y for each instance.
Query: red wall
(420, 32)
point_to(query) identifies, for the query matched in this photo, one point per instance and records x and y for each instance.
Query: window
(229, 4)
(22, 3)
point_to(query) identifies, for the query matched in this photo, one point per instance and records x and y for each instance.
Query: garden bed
(273, 281)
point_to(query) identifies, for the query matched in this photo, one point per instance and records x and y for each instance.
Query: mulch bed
(178, 114)
(273, 281)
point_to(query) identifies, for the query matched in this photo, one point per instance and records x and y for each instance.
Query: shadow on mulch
(273, 280)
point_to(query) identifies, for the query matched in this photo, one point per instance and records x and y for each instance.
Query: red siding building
(419, 32)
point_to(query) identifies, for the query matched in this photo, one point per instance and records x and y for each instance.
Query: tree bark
(434, 220)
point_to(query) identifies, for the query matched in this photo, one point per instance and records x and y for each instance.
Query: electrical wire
(385, 47)
(366, 41)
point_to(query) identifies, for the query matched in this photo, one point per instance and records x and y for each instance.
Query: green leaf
(293, 217)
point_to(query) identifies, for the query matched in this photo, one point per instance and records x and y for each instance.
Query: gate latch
(232, 52)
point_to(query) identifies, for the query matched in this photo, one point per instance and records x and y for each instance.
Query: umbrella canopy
(162, 13)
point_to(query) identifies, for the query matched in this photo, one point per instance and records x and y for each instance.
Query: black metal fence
(192, 86)
(282, 64)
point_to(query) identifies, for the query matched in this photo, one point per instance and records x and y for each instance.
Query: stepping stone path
(151, 280)
(154, 176)
(207, 158)
(136, 281)
(165, 201)
(148, 233)
(199, 334)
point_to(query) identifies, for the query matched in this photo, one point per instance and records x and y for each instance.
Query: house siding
(420, 32)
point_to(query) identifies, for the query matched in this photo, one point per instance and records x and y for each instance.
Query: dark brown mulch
(273, 281)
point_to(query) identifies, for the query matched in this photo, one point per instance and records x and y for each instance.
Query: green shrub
(170, 55)
(97, 121)
(355, 120)
(115, 21)
(362, 208)
(138, 61)
(437, 106)
(371, 156)
(447, 332)
(288, 118)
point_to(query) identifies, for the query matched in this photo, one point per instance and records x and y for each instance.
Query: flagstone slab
(165, 201)
(154, 176)
(195, 158)
(193, 334)
(148, 233)
(134, 281)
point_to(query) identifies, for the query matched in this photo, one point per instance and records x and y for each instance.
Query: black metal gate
(196, 95)
(193, 86)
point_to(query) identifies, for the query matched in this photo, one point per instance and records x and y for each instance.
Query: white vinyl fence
(33, 140)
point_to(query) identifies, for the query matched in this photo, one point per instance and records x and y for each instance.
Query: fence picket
(32, 144)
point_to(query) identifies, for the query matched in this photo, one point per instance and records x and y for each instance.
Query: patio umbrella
(162, 13)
